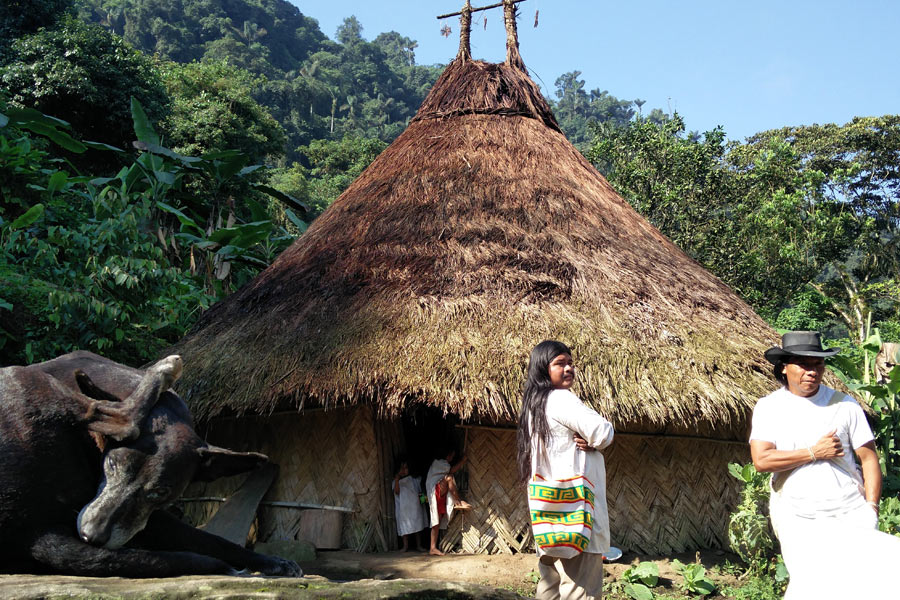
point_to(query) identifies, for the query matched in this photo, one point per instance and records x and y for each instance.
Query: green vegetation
(313, 87)
(639, 579)
(749, 533)
(119, 264)
(80, 73)
(802, 222)
(693, 578)
(859, 373)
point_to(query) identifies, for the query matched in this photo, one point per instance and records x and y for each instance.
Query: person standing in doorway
(443, 495)
(408, 509)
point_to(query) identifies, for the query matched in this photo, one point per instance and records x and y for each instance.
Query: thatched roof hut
(477, 233)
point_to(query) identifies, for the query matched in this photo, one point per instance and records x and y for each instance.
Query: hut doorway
(430, 434)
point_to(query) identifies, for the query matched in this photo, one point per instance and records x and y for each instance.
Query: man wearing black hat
(823, 506)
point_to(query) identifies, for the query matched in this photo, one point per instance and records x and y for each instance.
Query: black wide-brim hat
(799, 343)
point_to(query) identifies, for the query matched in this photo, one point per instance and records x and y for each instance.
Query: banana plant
(883, 397)
(253, 241)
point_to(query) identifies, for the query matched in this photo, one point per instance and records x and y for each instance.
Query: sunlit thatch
(479, 232)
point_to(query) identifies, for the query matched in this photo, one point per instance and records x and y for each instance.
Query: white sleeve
(860, 432)
(582, 419)
(763, 427)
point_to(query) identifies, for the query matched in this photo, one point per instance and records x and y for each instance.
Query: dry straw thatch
(477, 233)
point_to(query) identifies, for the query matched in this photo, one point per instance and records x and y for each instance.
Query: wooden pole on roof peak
(513, 58)
(465, 30)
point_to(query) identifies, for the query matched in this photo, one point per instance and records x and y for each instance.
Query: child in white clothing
(408, 506)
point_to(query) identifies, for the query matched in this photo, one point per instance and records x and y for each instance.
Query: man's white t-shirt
(823, 487)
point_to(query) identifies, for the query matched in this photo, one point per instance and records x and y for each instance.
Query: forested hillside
(314, 87)
(252, 120)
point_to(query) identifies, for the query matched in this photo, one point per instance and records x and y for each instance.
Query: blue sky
(748, 66)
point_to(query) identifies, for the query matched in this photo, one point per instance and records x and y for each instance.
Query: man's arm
(767, 459)
(871, 472)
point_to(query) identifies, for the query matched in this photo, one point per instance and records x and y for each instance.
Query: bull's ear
(218, 462)
(122, 420)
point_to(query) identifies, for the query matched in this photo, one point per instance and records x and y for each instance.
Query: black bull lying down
(68, 506)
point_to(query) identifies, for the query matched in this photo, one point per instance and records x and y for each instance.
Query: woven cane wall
(325, 458)
(240, 435)
(671, 495)
(664, 494)
(328, 458)
(498, 522)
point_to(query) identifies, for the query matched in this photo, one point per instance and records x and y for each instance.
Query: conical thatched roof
(479, 232)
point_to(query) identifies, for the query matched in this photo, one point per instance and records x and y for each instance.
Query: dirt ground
(514, 572)
(347, 574)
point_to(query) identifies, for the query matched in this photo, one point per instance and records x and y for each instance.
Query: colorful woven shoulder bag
(562, 514)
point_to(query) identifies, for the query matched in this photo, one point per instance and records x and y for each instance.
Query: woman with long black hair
(558, 441)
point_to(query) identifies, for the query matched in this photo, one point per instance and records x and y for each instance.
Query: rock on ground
(53, 587)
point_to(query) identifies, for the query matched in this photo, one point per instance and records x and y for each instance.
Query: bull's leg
(63, 553)
(164, 531)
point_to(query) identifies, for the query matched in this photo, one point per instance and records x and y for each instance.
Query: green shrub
(749, 534)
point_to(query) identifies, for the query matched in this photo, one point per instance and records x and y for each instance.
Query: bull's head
(152, 455)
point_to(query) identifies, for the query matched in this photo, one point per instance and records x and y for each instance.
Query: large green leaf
(134, 174)
(297, 221)
(183, 218)
(30, 216)
(873, 342)
(166, 177)
(222, 155)
(893, 384)
(143, 129)
(57, 181)
(647, 573)
(281, 196)
(703, 587)
(257, 210)
(844, 368)
(247, 170)
(162, 150)
(26, 116)
(226, 168)
(248, 239)
(877, 391)
(242, 236)
(638, 591)
(102, 146)
(60, 138)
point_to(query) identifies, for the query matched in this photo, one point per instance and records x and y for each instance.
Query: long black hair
(533, 416)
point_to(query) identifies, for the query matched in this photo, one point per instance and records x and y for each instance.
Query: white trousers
(579, 578)
(836, 558)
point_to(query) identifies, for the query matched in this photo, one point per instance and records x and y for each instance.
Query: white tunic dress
(409, 510)
(561, 459)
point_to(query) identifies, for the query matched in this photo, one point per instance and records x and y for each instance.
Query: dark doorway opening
(430, 434)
